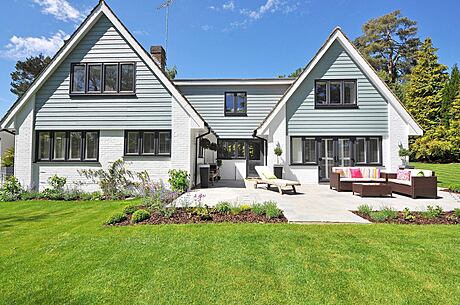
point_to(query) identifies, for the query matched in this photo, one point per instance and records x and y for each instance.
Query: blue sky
(213, 38)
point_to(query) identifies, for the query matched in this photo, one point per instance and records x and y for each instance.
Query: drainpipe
(265, 145)
(196, 150)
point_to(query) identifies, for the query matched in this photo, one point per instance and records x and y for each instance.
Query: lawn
(58, 252)
(448, 174)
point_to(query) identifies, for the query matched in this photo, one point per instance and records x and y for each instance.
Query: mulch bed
(181, 216)
(446, 218)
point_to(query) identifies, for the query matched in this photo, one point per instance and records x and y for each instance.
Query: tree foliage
(26, 71)
(449, 94)
(171, 72)
(294, 74)
(424, 91)
(389, 43)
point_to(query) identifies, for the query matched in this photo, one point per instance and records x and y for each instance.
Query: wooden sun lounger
(279, 183)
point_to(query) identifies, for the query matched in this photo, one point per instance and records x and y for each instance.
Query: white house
(104, 97)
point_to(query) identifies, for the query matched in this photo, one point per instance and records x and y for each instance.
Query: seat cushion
(405, 182)
(362, 179)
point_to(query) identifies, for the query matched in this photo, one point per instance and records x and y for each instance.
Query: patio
(317, 203)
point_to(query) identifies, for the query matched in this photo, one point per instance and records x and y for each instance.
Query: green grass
(59, 253)
(447, 174)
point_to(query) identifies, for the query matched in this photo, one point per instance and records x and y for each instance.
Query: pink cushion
(403, 175)
(356, 173)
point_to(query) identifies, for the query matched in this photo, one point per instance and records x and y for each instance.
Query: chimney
(159, 56)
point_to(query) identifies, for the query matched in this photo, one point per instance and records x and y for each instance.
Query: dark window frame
(140, 143)
(235, 155)
(342, 104)
(234, 112)
(67, 146)
(354, 151)
(101, 92)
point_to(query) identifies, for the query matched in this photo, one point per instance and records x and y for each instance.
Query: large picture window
(67, 146)
(102, 78)
(303, 150)
(148, 143)
(235, 103)
(335, 93)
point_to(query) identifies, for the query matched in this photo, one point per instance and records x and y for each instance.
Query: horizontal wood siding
(370, 119)
(149, 109)
(209, 102)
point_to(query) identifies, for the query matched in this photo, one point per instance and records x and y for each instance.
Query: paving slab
(316, 202)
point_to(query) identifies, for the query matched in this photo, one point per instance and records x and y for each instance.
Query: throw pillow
(403, 175)
(268, 174)
(356, 173)
(420, 174)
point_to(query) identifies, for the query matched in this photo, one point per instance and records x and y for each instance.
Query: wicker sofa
(418, 185)
(341, 178)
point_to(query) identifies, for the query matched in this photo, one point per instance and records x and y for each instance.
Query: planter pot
(278, 171)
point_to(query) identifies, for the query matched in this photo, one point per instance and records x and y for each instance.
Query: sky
(219, 39)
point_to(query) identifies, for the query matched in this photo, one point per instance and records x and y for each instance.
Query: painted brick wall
(24, 122)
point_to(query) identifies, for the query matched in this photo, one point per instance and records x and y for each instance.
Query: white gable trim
(338, 35)
(99, 10)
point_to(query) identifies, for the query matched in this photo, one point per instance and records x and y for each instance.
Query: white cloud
(206, 27)
(229, 6)
(270, 6)
(22, 47)
(60, 9)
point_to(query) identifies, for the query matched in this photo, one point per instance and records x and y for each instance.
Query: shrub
(454, 188)
(11, 189)
(385, 213)
(432, 212)
(365, 209)
(457, 212)
(31, 195)
(130, 209)
(271, 210)
(8, 158)
(115, 182)
(71, 195)
(407, 214)
(116, 218)
(235, 210)
(140, 215)
(378, 216)
(245, 207)
(56, 189)
(223, 207)
(258, 209)
(179, 180)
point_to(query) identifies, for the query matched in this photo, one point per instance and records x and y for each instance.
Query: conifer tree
(449, 94)
(424, 91)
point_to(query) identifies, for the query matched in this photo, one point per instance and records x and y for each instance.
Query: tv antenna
(166, 5)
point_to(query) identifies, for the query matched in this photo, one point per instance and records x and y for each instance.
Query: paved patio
(317, 203)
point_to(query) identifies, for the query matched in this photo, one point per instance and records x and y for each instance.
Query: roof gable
(338, 36)
(102, 9)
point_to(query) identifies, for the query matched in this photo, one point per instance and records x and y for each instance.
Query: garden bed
(183, 216)
(433, 215)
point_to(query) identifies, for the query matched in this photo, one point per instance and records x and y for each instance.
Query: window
(94, 78)
(335, 93)
(102, 78)
(78, 80)
(303, 150)
(148, 143)
(231, 149)
(235, 103)
(67, 146)
(254, 150)
(110, 78)
(368, 150)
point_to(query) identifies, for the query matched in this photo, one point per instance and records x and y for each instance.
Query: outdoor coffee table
(372, 189)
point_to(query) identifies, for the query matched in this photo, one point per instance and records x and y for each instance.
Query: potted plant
(404, 154)
(278, 168)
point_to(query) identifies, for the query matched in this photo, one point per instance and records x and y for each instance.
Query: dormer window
(236, 104)
(102, 78)
(335, 93)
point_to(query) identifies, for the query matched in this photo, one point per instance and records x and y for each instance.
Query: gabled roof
(101, 9)
(338, 35)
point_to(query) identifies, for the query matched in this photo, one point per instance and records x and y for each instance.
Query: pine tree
(449, 94)
(424, 91)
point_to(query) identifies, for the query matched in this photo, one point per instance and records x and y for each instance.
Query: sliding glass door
(326, 158)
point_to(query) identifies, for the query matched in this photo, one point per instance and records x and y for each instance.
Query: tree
(26, 72)
(294, 74)
(449, 94)
(389, 43)
(171, 72)
(424, 91)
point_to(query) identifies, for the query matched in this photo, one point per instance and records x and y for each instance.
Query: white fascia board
(243, 82)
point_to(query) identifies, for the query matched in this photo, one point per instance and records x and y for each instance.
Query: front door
(254, 157)
(326, 159)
